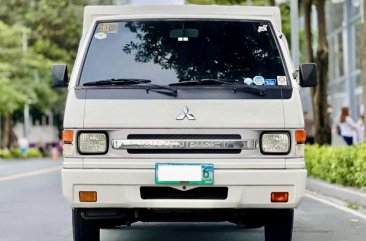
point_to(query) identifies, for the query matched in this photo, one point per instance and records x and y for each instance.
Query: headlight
(275, 143)
(92, 143)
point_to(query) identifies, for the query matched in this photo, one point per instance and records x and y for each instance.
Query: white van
(183, 113)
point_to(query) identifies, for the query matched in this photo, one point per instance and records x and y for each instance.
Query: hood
(182, 113)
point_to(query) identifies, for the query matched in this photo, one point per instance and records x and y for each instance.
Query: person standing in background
(347, 126)
(23, 145)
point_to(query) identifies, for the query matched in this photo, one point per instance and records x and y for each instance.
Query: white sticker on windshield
(262, 28)
(100, 35)
(281, 80)
(248, 81)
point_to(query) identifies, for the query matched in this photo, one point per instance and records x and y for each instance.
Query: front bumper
(120, 188)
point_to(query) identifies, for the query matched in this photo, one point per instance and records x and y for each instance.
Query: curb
(348, 194)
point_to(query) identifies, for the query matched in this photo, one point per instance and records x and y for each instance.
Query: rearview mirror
(59, 76)
(184, 33)
(308, 75)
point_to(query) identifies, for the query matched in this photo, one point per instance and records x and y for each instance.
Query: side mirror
(59, 76)
(308, 75)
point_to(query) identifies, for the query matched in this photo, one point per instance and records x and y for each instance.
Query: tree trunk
(320, 92)
(363, 60)
(307, 29)
(6, 133)
(272, 2)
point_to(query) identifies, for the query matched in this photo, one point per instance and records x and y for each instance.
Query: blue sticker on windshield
(270, 82)
(258, 80)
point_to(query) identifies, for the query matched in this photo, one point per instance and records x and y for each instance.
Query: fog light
(279, 197)
(87, 196)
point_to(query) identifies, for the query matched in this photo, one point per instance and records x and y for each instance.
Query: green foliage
(34, 153)
(25, 74)
(16, 153)
(31, 153)
(10, 98)
(5, 154)
(341, 165)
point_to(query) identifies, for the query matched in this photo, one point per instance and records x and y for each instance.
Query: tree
(53, 34)
(231, 57)
(319, 93)
(25, 76)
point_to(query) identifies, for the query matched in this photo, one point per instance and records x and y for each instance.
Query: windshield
(172, 51)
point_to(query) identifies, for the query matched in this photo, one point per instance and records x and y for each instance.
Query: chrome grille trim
(185, 144)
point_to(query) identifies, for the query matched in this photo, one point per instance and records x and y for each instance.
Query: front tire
(83, 229)
(279, 225)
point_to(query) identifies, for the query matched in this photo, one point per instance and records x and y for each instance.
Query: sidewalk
(347, 194)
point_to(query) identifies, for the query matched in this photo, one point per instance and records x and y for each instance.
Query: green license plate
(179, 173)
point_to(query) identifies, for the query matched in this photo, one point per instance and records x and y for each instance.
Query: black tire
(84, 230)
(279, 225)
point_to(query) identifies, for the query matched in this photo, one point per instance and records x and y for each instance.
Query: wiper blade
(200, 82)
(224, 82)
(145, 83)
(158, 88)
(248, 89)
(121, 81)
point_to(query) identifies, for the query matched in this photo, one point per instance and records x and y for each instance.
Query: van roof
(183, 11)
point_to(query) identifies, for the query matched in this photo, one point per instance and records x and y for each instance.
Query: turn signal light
(300, 136)
(88, 196)
(279, 197)
(67, 136)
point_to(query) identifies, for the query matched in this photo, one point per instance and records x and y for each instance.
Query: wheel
(84, 230)
(279, 225)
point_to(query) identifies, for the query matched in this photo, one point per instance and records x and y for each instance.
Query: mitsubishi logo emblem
(185, 114)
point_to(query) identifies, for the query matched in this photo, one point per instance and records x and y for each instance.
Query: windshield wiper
(153, 87)
(248, 89)
(121, 81)
(140, 82)
(200, 82)
(235, 86)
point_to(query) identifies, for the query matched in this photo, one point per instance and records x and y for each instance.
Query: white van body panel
(163, 113)
(186, 11)
(247, 188)
(74, 109)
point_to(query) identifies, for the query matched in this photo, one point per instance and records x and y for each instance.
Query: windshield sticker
(108, 27)
(100, 35)
(270, 82)
(248, 81)
(258, 80)
(281, 80)
(262, 28)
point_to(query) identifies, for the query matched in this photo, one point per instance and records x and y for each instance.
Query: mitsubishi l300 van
(183, 113)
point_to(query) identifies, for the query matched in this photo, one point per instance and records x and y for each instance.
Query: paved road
(32, 208)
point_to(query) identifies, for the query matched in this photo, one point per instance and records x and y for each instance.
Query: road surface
(32, 208)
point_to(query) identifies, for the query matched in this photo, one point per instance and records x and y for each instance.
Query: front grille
(184, 137)
(213, 193)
